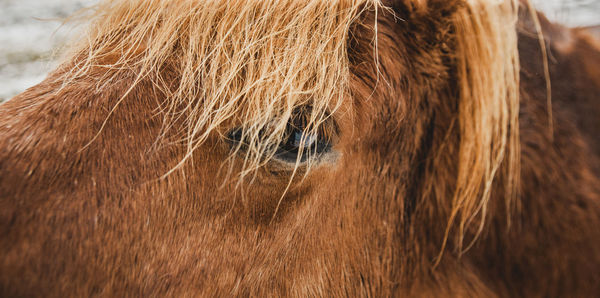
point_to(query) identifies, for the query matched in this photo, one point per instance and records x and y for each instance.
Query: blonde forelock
(251, 63)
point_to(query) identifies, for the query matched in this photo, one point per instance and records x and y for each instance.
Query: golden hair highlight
(488, 81)
(247, 62)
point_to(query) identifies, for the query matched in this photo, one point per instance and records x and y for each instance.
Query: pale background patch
(30, 33)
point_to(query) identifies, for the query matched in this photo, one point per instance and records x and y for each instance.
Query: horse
(421, 148)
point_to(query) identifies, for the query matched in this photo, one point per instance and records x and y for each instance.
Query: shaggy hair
(259, 61)
(255, 64)
(488, 80)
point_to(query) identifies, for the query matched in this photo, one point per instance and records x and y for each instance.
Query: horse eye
(297, 145)
(301, 145)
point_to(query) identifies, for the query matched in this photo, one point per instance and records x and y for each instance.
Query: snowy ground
(29, 33)
(571, 12)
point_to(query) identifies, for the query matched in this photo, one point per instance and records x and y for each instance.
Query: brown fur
(100, 218)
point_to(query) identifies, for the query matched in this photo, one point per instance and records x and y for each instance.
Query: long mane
(488, 111)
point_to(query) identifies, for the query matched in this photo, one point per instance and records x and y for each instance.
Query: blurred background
(31, 32)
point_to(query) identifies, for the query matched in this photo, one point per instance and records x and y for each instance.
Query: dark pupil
(295, 142)
(291, 146)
